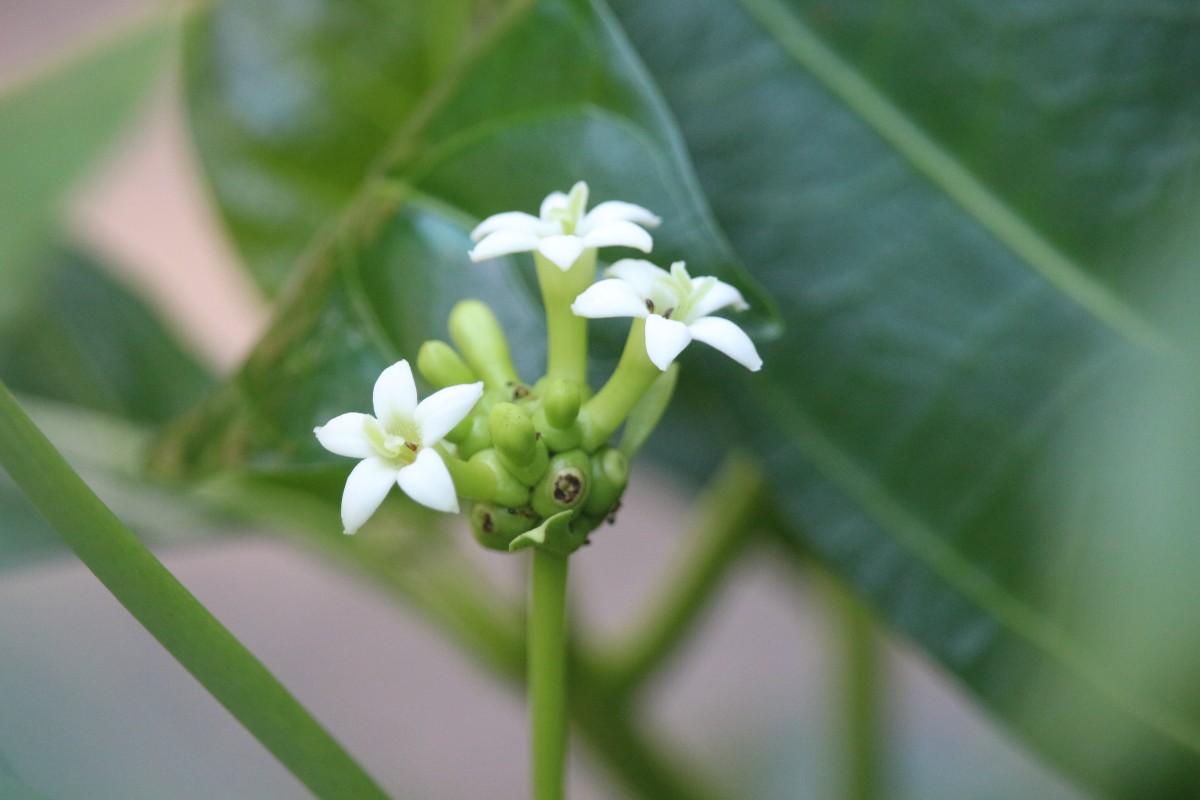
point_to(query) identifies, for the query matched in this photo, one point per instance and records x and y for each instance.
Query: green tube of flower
(480, 339)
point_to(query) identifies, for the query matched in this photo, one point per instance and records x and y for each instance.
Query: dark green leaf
(959, 207)
(81, 338)
(103, 360)
(480, 133)
(298, 115)
(52, 127)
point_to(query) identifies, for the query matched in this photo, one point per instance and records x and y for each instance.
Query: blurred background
(91, 708)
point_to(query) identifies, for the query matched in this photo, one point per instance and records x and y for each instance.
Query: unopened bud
(477, 332)
(495, 526)
(443, 367)
(510, 492)
(565, 485)
(516, 443)
(610, 476)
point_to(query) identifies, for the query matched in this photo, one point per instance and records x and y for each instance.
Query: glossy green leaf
(466, 135)
(474, 106)
(960, 208)
(53, 126)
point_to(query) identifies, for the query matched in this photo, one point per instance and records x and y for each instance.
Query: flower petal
(437, 414)
(610, 298)
(427, 481)
(344, 435)
(510, 220)
(395, 395)
(729, 339)
(619, 233)
(665, 339)
(554, 201)
(615, 210)
(719, 295)
(366, 487)
(562, 250)
(638, 273)
(503, 243)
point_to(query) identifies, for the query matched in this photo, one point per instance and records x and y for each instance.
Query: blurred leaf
(53, 126)
(84, 339)
(385, 271)
(472, 105)
(958, 208)
(105, 362)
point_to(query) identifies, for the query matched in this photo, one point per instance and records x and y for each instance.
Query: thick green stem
(635, 373)
(548, 673)
(721, 525)
(567, 333)
(860, 690)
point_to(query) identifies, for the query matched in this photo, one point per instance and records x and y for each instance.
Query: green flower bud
(495, 527)
(555, 416)
(610, 476)
(565, 485)
(443, 367)
(561, 403)
(510, 492)
(477, 332)
(517, 443)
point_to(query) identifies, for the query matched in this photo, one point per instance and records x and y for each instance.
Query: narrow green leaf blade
(173, 616)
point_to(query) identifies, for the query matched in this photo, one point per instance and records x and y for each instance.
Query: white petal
(504, 243)
(427, 481)
(665, 339)
(729, 339)
(553, 202)
(618, 233)
(610, 298)
(366, 487)
(441, 411)
(345, 436)
(395, 395)
(562, 250)
(638, 273)
(614, 210)
(510, 220)
(719, 296)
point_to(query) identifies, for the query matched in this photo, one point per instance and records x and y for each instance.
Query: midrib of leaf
(907, 528)
(942, 169)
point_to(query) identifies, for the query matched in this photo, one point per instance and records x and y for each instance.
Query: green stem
(165, 608)
(548, 673)
(566, 333)
(860, 690)
(634, 375)
(721, 526)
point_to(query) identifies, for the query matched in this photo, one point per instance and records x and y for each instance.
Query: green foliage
(964, 211)
(51, 128)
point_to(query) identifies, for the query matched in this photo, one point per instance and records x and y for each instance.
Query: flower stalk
(548, 673)
(604, 413)
(566, 333)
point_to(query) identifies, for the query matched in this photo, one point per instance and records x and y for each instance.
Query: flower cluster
(535, 459)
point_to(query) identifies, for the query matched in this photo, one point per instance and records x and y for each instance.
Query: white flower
(676, 308)
(562, 231)
(396, 445)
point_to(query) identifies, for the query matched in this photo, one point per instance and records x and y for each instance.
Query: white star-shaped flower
(562, 231)
(676, 308)
(396, 445)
